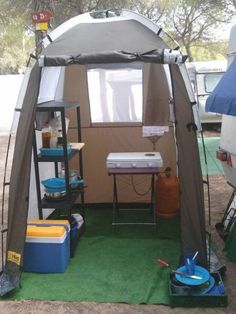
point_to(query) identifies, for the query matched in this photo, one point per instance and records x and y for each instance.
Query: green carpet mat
(111, 265)
(213, 164)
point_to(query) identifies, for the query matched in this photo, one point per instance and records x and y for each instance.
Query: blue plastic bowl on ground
(199, 271)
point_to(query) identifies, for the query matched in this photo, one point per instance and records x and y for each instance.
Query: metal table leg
(115, 210)
(115, 204)
(153, 194)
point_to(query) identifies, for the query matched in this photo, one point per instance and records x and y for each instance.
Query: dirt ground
(219, 191)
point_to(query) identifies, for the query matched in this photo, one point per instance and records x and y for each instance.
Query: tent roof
(223, 98)
(105, 40)
(121, 35)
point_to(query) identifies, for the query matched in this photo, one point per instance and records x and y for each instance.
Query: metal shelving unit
(68, 202)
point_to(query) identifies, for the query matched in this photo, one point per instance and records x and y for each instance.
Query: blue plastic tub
(55, 151)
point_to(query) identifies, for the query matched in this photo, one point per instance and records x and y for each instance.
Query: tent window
(115, 93)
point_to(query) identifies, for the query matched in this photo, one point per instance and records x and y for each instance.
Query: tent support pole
(3, 230)
(207, 182)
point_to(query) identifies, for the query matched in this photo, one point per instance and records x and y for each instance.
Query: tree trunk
(188, 50)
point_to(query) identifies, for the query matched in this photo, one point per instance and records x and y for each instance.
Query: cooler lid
(47, 222)
(45, 231)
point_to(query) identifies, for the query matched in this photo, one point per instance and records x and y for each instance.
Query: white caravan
(228, 129)
(223, 100)
(204, 77)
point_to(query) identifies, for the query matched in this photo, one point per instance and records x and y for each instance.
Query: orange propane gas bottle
(167, 195)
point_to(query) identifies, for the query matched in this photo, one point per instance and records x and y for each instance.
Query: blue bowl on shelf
(54, 185)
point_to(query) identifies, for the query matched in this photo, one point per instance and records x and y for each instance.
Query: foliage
(152, 9)
(15, 47)
(210, 51)
(15, 44)
(65, 9)
(192, 23)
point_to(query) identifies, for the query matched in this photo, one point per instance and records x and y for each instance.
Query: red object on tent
(221, 155)
(229, 160)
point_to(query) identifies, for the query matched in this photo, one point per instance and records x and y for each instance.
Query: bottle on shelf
(59, 138)
(55, 124)
(53, 139)
(46, 136)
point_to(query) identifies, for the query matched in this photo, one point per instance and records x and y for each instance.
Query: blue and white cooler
(47, 249)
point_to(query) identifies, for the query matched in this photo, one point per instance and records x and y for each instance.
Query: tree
(210, 51)
(14, 42)
(193, 21)
(65, 9)
(234, 3)
(155, 10)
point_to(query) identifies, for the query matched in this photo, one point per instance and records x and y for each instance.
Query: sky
(225, 31)
(9, 89)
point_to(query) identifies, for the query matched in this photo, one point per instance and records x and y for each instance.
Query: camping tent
(93, 43)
